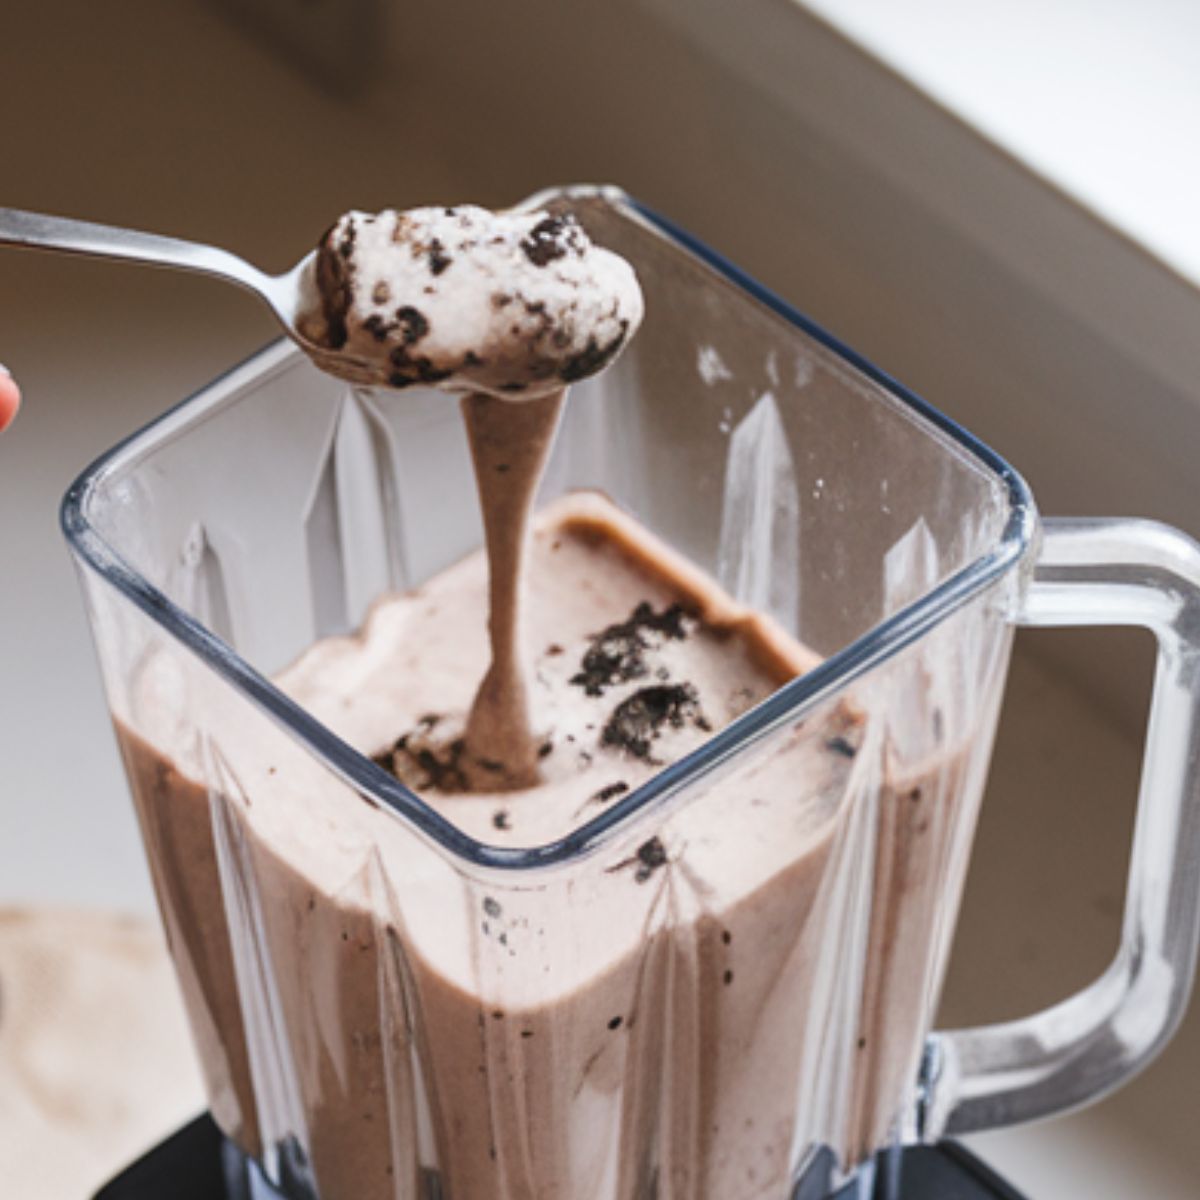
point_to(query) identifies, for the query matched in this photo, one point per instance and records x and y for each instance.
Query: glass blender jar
(757, 1015)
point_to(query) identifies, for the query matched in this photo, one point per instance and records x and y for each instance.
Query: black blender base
(193, 1164)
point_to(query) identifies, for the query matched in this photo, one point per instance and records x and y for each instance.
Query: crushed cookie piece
(651, 855)
(617, 654)
(551, 239)
(413, 324)
(839, 745)
(593, 358)
(610, 791)
(377, 327)
(439, 260)
(639, 719)
(421, 763)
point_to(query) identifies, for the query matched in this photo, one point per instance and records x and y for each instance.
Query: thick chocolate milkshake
(678, 1013)
(654, 1020)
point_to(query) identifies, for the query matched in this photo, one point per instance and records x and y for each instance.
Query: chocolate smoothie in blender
(649, 1026)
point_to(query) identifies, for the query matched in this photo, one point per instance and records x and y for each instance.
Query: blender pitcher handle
(1104, 572)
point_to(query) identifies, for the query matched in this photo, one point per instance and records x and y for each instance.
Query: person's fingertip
(10, 398)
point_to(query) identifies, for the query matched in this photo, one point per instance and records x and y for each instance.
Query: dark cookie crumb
(651, 855)
(615, 1023)
(593, 357)
(422, 764)
(617, 654)
(414, 325)
(728, 978)
(640, 718)
(377, 327)
(610, 792)
(491, 907)
(415, 370)
(439, 260)
(553, 650)
(500, 819)
(382, 293)
(839, 745)
(550, 239)
(726, 936)
(545, 749)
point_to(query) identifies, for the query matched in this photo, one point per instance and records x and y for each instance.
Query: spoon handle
(18, 228)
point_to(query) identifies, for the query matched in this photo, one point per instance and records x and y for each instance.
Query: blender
(348, 1052)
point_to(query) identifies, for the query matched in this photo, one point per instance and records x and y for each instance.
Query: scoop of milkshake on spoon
(513, 304)
(570, 305)
(501, 307)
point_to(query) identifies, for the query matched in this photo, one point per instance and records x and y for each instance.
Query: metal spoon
(285, 294)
